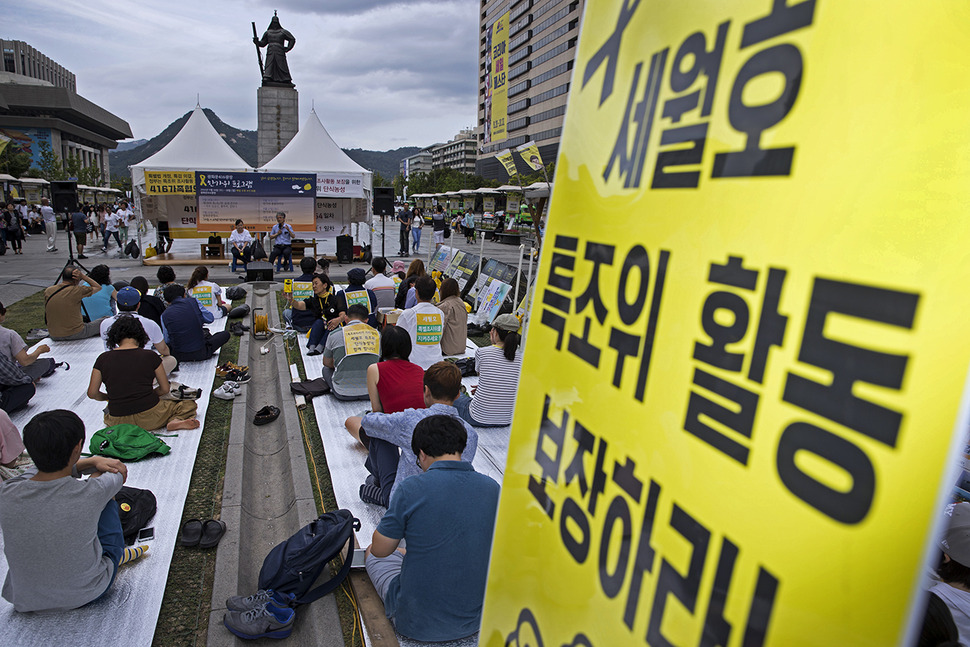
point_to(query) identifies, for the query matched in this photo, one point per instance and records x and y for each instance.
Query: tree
(14, 161)
(51, 167)
(380, 180)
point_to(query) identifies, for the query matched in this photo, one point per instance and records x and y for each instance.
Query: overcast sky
(380, 74)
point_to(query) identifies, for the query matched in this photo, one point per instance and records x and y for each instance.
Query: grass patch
(26, 314)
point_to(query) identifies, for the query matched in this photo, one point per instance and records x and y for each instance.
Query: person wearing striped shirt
(498, 366)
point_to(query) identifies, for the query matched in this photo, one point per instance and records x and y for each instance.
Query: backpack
(131, 249)
(236, 292)
(294, 565)
(137, 507)
(259, 252)
(310, 388)
(127, 442)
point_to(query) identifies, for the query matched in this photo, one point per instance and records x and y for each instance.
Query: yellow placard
(430, 328)
(505, 157)
(497, 90)
(203, 294)
(743, 372)
(302, 289)
(361, 338)
(170, 182)
(530, 153)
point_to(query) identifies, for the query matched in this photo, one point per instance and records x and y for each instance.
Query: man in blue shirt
(435, 590)
(282, 236)
(184, 328)
(79, 225)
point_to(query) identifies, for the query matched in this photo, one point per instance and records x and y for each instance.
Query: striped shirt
(498, 382)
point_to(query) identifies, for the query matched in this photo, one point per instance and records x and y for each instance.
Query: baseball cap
(357, 276)
(128, 296)
(955, 541)
(506, 322)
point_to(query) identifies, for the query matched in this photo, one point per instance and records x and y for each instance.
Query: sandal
(191, 533)
(183, 392)
(212, 532)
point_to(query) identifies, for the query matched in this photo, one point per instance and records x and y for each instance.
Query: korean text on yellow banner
(360, 339)
(170, 182)
(505, 156)
(741, 392)
(497, 88)
(530, 153)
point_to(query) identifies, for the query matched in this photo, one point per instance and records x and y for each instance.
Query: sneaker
(265, 622)
(82, 257)
(372, 494)
(239, 377)
(222, 369)
(259, 600)
(228, 391)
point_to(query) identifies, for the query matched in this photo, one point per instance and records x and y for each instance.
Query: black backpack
(137, 509)
(294, 565)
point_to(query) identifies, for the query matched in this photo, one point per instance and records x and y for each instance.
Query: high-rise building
(538, 60)
(461, 153)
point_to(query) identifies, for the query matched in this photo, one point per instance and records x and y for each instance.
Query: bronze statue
(277, 42)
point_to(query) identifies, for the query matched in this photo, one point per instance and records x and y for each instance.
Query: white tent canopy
(197, 147)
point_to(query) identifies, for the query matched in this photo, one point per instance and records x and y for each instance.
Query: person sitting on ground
(425, 323)
(63, 306)
(348, 353)
(129, 303)
(355, 292)
(446, 515)
(12, 345)
(62, 535)
(149, 306)
(415, 271)
(207, 293)
(454, 336)
(13, 460)
(323, 265)
(282, 236)
(397, 274)
(166, 277)
(498, 367)
(384, 433)
(395, 384)
(184, 327)
(323, 305)
(101, 304)
(129, 371)
(382, 285)
(16, 387)
(302, 320)
(240, 244)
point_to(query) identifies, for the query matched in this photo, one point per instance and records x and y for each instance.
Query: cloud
(357, 7)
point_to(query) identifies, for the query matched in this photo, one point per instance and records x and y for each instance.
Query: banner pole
(481, 253)
(528, 294)
(518, 274)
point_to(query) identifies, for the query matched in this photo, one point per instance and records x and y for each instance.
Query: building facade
(22, 59)
(542, 40)
(461, 153)
(420, 162)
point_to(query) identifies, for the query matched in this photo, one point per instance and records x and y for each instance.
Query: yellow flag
(4, 140)
(530, 153)
(508, 162)
(745, 372)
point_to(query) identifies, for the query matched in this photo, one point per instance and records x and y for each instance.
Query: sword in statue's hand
(259, 55)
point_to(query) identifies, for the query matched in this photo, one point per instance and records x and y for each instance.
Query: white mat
(128, 614)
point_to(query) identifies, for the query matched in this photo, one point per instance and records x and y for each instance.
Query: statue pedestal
(278, 110)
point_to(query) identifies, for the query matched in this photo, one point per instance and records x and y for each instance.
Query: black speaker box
(259, 271)
(345, 249)
(64, 196)
(383, 200)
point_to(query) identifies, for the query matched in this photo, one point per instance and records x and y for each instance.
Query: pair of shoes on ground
(228, 391)
(222, 369)
(265, 614)
(203, 535)
(183, 392)
(238, 328)
(266, 415)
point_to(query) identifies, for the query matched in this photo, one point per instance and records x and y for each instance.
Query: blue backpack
(294, 565)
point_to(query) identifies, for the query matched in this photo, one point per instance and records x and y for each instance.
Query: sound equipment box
(259, 271)
(64, 196)
(383, 200)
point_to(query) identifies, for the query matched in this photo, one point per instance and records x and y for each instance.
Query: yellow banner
(497, 90)
(505, 157)
(302, 289)
(741, 386)
(170, 182)
(203, 294)
(361, 338)
(530, 153)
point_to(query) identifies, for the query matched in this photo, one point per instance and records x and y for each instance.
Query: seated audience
(166, 277)
(454, 336)
(415, 271)
(62, 307)
(129, 372)
(446, 516)
(355, 292)
(498, 367)
(207, 293)
(302, 320)
(383, 286)
(348, 353)
(398, 272)
(62, 535)
(150, 306)
(13, 346)
(383, 434)
(395, 384)
(129, 303)
(13, 460)
(282, 235)
(323, 305)
(16, 387)
(240, 244)
(425, 323)
(184, 327)
(101, 304)
(953, 568)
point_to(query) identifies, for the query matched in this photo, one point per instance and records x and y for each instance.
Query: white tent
(344, 187)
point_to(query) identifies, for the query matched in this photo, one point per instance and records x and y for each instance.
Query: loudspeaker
(64, 196)
(383, 200)
(259, 271)
(345, 249)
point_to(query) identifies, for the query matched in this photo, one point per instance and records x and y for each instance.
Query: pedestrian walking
(50, 224)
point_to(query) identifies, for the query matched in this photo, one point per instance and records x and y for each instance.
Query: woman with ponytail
(498, 369)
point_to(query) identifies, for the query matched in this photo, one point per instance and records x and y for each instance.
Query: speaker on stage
(383, 200)
(64, 196)
(345, 249)
(259, 271)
